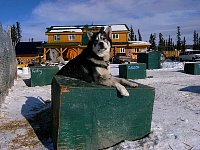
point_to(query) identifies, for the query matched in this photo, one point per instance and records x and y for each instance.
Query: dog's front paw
(124, 93)
(133, 84)
(104, 64)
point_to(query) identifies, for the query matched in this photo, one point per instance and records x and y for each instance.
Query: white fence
(8, 64)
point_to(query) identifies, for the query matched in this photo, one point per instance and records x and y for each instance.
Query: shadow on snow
(38, 114)
(193, 89)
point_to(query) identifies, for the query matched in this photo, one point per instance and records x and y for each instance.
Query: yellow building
(69, 41)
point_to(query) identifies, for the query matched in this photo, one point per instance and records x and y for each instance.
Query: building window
(115, 36)
(56, 37)
(71, 37)
(122, 50)
(136, 50)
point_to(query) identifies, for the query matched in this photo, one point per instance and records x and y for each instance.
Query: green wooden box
(132, 71)
(91, 117)
(152, 59)
(42, 75)
(192, 68)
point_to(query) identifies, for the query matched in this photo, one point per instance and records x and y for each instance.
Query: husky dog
(92, 64)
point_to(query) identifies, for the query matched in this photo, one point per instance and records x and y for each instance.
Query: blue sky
(149, 16)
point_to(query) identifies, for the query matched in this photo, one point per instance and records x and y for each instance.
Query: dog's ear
(89, 34)
(109, 31)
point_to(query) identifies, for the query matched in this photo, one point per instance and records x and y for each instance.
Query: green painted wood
(85, 39)
(192, 68)
(90, 117)
(42, 75)
(152, 59)
(132, 71)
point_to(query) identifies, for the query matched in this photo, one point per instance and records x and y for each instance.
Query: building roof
(139, 42)
(64, 44)
(27, 48)
(64, 29)
(79, 28)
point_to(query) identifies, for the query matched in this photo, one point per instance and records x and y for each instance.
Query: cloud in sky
(149, 16)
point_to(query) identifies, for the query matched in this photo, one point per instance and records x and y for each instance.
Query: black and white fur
(92, 64)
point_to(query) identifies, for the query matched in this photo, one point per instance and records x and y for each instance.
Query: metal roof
(79, 28)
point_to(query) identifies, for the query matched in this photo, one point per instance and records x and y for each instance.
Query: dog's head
(101, 41)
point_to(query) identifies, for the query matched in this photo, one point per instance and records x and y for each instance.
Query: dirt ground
(25, 115)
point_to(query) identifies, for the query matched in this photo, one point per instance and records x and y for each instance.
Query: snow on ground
(25, 115)
(169, 64)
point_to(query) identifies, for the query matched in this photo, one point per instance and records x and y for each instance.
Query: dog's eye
(105, 40)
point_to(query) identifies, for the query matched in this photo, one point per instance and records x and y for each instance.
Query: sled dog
(92, 64)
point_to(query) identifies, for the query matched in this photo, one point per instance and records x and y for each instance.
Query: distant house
(27, 51)
(69, 41)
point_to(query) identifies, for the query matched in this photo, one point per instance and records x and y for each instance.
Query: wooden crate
(192, 68)
(152, 59)
(132, 71)
(42, 75)
(90, 117)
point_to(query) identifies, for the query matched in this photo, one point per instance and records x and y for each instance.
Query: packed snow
(25, 114)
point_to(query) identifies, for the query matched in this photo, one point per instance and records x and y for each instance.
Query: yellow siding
(64, 38)
(169, 54)
(123, 37)
(50, 39)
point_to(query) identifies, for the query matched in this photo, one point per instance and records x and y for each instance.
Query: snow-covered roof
(65, 30)
(138, 42)
(120, 27)
(79, 28)
(117, 27)
(61, 27)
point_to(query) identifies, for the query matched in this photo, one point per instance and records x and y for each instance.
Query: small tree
(152, 40)
(139, 36)
(170, 44)
(178, 38)
(13, 35)
(173, 45)
(131, 35)
(161, 43)
(135, 39)
(195, 40)
(184, 44)
(16, 33)
(199, 43)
